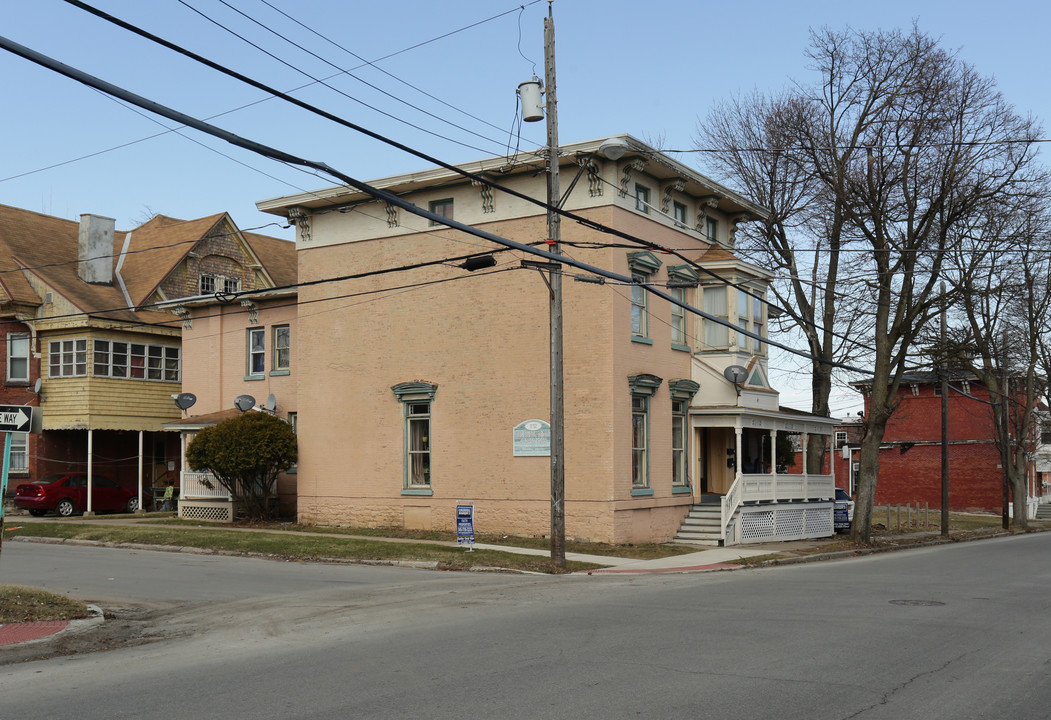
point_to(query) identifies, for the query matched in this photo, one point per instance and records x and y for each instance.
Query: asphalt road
(957, 631)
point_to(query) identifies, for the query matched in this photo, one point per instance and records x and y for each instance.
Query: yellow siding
(103, 403)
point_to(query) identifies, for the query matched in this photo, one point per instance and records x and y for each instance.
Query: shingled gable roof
(277, 256)
(46, 247)
(156, 248)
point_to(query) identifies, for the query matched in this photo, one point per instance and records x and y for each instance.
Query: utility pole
(943, 371)
(554, 229)
(1005, 452)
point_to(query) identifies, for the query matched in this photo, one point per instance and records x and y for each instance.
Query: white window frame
(19, 460)
(716, 335)
(841, 438)
(679, 425)
(68, 358)
(255, 352)
(17, 355)
(281, 338)
(206, 284)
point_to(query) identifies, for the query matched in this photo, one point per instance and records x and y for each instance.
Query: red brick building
(910, 454)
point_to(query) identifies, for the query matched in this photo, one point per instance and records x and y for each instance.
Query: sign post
(465, 525)
(13, 418)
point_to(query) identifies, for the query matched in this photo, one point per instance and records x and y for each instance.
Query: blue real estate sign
(465, 524)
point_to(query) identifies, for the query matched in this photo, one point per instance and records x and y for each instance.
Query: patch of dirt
(122, 627)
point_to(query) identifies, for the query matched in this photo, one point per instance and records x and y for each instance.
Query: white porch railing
(201, 486)
(770, 488)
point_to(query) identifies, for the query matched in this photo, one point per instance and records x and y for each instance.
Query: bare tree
(1002, 279)
(892, 149)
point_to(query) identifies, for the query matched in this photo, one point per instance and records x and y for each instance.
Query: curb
(29, 633)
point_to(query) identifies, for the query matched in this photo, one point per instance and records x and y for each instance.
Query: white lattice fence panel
(756, 525)
(819, 522)
(207, 512)
(790, 522)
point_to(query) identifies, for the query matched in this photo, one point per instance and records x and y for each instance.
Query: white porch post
(140, 473)
(90, 484)
(773, 459)
(739, 433)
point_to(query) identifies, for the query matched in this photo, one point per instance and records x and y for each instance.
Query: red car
(67, 494)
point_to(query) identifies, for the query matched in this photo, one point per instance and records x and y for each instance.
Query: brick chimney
(95, 246)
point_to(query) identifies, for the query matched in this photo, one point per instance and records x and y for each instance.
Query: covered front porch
(746, 488)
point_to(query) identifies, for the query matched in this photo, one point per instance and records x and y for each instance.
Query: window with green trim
(282, 338)
(642, 198)
(640, 407)
(642, 388)
(678, 442)
(642, 265)
(416, 399)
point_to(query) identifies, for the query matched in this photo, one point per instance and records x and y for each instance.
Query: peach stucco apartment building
(423, 385)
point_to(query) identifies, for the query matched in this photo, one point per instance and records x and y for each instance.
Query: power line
(394, 200)
(385, 72)
(335, 89)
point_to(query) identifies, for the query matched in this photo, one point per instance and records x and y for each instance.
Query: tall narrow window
(18, 357)
(417, 398)
(441, 207)
(138, 361)
(712, 226)
(678, 317)
(282, 347)
(642, 389)
(678, 211)
(682, 392)
(19, 452)
(682, 279)
(642, 198)
(256, 351)
(757, 321)
(639, 442)
(742, 318)
(715, 334)
(678, 442)
(293, 420)
(418, 431)
(642, 265)
(639, 314)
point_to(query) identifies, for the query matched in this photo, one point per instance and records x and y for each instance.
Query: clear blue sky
(649, 69)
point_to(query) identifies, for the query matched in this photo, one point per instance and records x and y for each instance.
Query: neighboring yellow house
(428, 386)
(76, 314)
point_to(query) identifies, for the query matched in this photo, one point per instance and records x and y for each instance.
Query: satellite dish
(185, 401)
(736, 374)
(244, 402)
(271, 403)
(36, 386)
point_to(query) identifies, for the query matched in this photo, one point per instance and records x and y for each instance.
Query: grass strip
(22, 604)
(293, 546)
(648, 551)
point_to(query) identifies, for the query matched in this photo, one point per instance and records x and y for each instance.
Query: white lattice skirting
(207, 510)
(786, 522)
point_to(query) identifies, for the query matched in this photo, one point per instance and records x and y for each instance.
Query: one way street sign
(16, 418)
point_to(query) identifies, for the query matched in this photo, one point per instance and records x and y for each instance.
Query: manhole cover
(917, 603)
